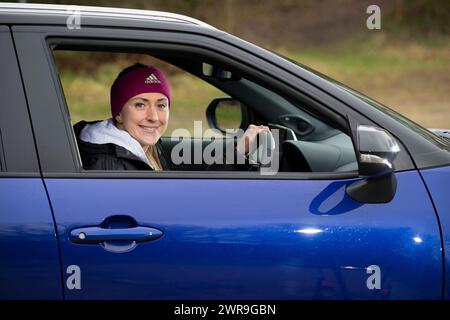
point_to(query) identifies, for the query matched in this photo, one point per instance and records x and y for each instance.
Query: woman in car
(130, 140)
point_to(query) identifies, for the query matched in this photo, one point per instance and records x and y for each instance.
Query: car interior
(305, 144)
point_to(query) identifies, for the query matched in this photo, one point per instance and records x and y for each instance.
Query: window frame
(315, 98)
(180, 50)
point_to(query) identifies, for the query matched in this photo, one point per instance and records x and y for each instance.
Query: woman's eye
(162, 106)
(139, 105)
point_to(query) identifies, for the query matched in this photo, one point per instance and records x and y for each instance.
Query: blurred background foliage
(405, 65)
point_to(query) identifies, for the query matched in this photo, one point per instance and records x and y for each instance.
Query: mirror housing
(377, 150)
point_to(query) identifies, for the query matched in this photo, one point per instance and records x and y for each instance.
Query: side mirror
(377, 151)
(225, 114)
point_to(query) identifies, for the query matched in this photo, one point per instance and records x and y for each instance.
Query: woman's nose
(152, 114)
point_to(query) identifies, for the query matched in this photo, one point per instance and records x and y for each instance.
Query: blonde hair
(153, 157)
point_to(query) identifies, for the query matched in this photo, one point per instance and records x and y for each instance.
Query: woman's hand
(248, 140)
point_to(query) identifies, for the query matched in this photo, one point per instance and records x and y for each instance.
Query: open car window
(210, 105)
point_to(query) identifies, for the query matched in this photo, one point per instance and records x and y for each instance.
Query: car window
(210, 103)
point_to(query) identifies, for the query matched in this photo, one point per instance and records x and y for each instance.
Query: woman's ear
(119, 118)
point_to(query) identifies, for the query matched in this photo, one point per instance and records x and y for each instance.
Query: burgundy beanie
(140, 80)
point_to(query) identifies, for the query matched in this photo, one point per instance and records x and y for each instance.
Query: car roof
(30, 13)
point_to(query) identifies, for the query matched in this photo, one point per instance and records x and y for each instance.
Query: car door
(222, 235)
(436, 180)
(29, 259)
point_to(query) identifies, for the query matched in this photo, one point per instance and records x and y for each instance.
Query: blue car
(353, 202)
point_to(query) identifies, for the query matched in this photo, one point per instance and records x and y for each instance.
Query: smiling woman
(145, 118)
(140, 101)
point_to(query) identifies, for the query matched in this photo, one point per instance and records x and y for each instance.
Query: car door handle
(96, 235)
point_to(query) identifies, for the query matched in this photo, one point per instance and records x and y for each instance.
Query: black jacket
(110, 156)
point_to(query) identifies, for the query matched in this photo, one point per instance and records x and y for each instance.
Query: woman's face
(145, 117)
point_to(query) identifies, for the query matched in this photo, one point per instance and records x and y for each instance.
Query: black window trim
(18, 156)
(202, 175)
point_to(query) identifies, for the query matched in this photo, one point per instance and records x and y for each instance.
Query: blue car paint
(252, 239)
(438, 183)
(29, 261)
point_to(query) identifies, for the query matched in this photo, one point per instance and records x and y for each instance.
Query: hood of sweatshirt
(105, 131)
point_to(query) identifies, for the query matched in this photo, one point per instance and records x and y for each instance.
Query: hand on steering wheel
(258, 144)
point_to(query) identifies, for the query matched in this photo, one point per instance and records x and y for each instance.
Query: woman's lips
(148, 129)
